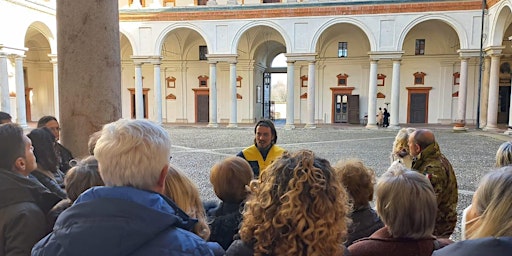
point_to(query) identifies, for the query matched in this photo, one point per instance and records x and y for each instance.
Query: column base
(458, 128)
(508, 132)
(310, 126)
(289, 126)
(371, 127)
(232, 125)
(394, 127)
(214, 125)
(490, 129)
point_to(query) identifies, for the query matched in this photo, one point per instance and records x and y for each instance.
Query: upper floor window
(342, 49)
(420, 47)
(202, 52)
(419, 78)
(202, 2)
(270, 1)
(342, 79)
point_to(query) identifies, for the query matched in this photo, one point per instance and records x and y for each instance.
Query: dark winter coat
(224, 222)
(23, 206)
(365, 222)
(48, 180)
(489, 246)
(122, 221)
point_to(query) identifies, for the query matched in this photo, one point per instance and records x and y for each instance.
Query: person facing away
(489, 225)
(503, 158)
(297, 207)
(129, 215)
(429, 161)
(82, 176)
(380, 117)
(5, 118)
(359, 181)
(63, 154)
(229, 179)
(47, 171)
(264, 151)
(23, 202)
(385, 120)
(406, 202)
(400, 150)
(181, 190)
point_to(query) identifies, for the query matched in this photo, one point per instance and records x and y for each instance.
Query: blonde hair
(81, 177)
(185, 194)
(402, 139)
(358, 179)
(297, 207)
(504, 154)
(492, 204)
(406, 202)
(132, 153)
(230, 177)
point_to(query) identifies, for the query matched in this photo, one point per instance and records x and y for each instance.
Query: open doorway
(274, 96)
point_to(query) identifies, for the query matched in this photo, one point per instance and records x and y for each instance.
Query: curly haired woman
(297, 207)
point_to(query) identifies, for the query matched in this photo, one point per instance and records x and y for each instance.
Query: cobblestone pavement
(197, 148)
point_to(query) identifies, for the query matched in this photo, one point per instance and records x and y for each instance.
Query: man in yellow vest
(264, 151)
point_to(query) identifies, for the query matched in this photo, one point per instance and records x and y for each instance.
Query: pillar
(372, 96)
(213, 95)
(492, 108)
(158, 92)
(460, 124)
(55, 64)
(290, 96)
(311, 95)
(89, 73)
(139, 98)
(21, 112)
(5, 104)
(232, 86)
(484, 98)
(394, 118)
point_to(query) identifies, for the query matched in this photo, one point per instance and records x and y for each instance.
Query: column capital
(155, 60)
(222, 57)
(385, 55)
(468, 53)
(53, 58)
(293, 57)
(494, 51)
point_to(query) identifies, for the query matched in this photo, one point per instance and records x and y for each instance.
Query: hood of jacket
(113, 221)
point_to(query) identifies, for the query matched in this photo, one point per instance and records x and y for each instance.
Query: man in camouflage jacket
(429, 161)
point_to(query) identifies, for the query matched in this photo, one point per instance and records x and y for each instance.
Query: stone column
(232, 82)
(311, 95)
(213, 95)
(139, 98)
(136, 4)
(460, 124)
(158, 91)
(484, 98)
(211, 2)
(509, 129)
(89, 69)
(21, 111)
(372, 96)
(290, 96)
(155, 4)
(5, 104)
(395, 96)
(55, 63)
(492, 110)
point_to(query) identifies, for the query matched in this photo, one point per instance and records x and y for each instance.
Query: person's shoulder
(179, 242)
(489, 246)
(239, 248)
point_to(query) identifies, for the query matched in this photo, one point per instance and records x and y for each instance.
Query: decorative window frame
(239, 82)
(170, 81)
(456, 78)
(381, 79)
(203, 81)
(342, 79)
(419, 78)
(304, 81)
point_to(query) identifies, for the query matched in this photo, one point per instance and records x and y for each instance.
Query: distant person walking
(385, 123)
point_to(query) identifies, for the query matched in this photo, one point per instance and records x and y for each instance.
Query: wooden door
(202, 105)
(418, 108)
(503, 104)
(353, 109)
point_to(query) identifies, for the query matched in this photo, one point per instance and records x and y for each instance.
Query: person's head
(82, 176)
(265, 134)
(51, 123)
(385, 110)
(230, 177)
(406, 203)
(504, 154)
(297, 207)
(490, 208)
(16, 151)
(44, 148)
(380, 108)
(400, 145)
(357, 179)
(133, 153)
(185, 194)
(93, 139)
(5, 118)
(419, 140)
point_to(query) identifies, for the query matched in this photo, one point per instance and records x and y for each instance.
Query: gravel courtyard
(197, 148)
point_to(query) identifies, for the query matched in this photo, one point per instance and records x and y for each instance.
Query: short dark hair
(12, 146)
(45, 119)
(82, 176)
(44, 148)
(267, 123)
(5, 116)
(423, 138)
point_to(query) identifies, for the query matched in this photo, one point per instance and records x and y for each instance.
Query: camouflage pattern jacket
(439, 171)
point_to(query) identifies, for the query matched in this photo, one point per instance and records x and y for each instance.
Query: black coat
(224, 222)
(365, 222)
(489, 246)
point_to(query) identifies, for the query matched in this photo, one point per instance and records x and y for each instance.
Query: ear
(20, 165)
(161, 179)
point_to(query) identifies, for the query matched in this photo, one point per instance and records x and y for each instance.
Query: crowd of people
(127, 199)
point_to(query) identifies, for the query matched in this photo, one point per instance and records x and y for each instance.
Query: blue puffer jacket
(122, 221)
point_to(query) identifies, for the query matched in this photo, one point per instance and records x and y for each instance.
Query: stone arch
(129, 37)
(46, 32)
(247, 27)
(357, 23)
(163, 35)
(499, 24)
